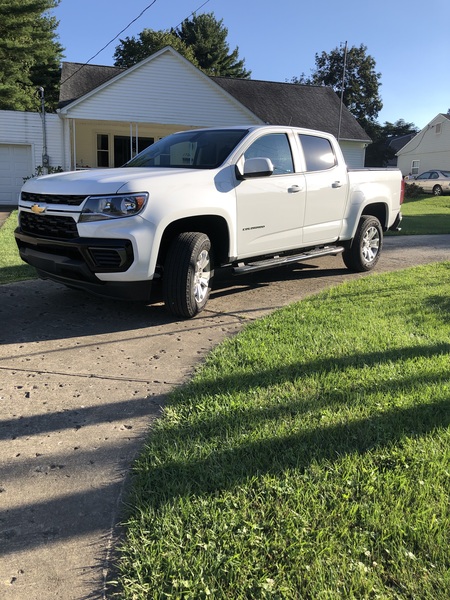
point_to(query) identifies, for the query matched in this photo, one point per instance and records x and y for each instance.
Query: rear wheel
(365, 250)
(188, 274)
(437, 190)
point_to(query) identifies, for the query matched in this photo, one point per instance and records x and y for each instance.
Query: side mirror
(257, 167)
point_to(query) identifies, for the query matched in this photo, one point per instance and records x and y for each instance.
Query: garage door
(15, 164)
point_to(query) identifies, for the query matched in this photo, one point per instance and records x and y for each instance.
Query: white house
(429, 149)
(108, 114)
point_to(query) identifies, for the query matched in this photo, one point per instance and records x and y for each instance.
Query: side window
(318, 153)
(102, 150)
(276, 147)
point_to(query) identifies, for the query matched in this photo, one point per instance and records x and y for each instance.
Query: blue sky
(409, 41)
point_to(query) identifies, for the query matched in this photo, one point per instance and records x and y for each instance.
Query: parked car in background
(433, 182)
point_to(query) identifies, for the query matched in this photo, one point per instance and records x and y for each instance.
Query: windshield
(446, 173)
(204, 149)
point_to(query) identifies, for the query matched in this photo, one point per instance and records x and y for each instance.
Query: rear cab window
(318, 152)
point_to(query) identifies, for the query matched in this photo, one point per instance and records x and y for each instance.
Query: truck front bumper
(76, 263)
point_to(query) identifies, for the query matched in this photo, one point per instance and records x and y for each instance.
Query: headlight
(98, 208)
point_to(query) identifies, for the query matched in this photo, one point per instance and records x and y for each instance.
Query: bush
(39, 171)
(412, 190)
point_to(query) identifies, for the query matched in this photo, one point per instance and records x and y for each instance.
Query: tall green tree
(202, 39)
(30, 54)
(361, 81)
(131, 50)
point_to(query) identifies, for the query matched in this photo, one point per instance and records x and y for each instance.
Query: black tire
(437, 190)
(365, 250)
(188, 274)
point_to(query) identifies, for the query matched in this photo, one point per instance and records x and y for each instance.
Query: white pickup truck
(249, 198)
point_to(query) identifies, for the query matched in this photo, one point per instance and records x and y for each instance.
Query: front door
(270, 209)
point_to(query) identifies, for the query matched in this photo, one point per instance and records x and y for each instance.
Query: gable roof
(417, 139)
(77, 79)
(312, 107)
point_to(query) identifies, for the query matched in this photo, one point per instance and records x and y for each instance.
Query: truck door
(327, 190)
(270, 209)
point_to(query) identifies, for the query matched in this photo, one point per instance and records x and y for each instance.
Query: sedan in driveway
(433, 182)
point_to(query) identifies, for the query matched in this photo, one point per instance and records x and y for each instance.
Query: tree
(131, 51)
(201, 39)
(207, 37)
(380, 152)
(361, 82)
(30, 56)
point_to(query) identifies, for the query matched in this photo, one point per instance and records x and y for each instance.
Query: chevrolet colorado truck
(249, 198)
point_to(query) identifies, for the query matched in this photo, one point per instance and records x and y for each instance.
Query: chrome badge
(38, 209)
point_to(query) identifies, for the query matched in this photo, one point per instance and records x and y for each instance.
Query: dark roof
(310, 106)
(77, 79)
(313, 107)
(397, 143)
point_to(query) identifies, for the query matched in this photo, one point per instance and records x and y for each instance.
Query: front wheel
(437, 190)
(365, 250)
(188, 274)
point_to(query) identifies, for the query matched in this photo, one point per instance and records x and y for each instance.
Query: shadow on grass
(227, 466)
(425, 224)
(17, 273)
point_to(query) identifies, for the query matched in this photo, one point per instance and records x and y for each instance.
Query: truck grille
(49, 226)
(53, 198)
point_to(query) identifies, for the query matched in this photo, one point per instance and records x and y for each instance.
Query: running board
(279, 261)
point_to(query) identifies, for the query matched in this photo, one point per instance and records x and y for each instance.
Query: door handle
(295, 188)
(336, 184)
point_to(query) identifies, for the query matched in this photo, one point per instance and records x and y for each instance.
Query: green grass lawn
(426, 214)
(309, 458)
(12, 268)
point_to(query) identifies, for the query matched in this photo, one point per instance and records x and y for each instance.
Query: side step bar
(279, 261)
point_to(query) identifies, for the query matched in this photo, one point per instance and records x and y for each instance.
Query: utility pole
(45, 157)
(342, 92)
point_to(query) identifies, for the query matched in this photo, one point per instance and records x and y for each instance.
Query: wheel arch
(214, 226)
(378, 210)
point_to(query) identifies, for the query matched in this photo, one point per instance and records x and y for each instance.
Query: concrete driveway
(82, 380)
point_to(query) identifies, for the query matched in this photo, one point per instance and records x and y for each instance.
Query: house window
(438, 128)
(102, 150)
(415, 167)
(125, 148)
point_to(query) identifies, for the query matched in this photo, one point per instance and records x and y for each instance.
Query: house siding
(430, 148)
(26, 128)
(166, 89)
(353, 154)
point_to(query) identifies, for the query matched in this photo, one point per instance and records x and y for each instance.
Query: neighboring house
(395, 145)
(108, 114)
(429, 149)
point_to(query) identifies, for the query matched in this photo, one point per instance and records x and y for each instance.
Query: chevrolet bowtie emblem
(38, 209)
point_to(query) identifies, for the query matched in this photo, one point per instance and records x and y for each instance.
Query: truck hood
(103, 181)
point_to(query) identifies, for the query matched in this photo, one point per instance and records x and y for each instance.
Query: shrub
(412, 190)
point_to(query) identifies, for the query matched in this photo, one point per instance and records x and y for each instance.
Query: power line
(192, 13)
(110, 42)
(124, 29)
